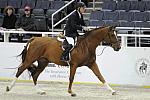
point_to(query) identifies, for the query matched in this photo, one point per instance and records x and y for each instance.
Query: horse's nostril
(118, 48)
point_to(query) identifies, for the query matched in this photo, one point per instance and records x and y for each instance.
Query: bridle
(110, 40)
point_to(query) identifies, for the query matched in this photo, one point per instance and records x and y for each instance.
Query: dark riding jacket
(73, 24)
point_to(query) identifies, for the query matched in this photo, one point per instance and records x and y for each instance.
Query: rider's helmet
(79, 5)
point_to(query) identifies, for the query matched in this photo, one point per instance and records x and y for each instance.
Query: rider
(75, 22)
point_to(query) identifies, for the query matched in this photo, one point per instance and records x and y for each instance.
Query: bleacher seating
(38, 12)
(109, 6)
(125, 16)
(42, 4)
(31, 3)
(147, 7)
(123, 6)
(56, 4)
(15, 3)
(20, 12)
(124, 13)
(127, 13)
(41, 9)
(40, 22)
(3, 4)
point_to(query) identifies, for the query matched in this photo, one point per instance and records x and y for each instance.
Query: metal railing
(53, 25)
(124, 37)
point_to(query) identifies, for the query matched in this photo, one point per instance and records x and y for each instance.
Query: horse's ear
(112, 27)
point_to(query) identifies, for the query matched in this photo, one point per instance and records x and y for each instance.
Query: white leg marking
(39, 91)
(109, 88)
(11, 85)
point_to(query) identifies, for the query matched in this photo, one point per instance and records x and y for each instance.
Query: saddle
(61, 37)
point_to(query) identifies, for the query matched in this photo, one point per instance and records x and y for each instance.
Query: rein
(102, 51)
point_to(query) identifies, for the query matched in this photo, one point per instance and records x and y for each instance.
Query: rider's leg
(68, 47)
(66, 52)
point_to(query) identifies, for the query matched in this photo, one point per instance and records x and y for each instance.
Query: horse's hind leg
(21, 68)
(96, 71)
(35, 72)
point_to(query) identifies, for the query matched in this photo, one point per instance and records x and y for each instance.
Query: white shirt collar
(79, 14)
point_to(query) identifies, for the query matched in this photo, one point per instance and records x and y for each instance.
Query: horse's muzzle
(117, 49)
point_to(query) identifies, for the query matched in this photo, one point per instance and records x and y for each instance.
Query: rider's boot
(65, 54)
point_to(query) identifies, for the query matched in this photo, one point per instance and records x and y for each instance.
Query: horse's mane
(88, 33)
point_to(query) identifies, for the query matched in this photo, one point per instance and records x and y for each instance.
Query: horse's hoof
(73, 95)
(7, 89)
(42, 93)
(114, 93)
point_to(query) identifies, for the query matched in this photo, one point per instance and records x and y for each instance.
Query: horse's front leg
(96, 71)
(71, 78)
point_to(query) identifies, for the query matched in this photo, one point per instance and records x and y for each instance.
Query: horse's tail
(24, 52)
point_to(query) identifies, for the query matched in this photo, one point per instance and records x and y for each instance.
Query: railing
(123, 36)
(53, 25)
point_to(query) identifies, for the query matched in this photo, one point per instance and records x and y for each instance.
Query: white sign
(127, 66)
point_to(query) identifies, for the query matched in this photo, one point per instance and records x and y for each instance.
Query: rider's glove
(85, 28)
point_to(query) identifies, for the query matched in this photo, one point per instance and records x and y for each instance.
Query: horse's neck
(91, 41)
(96, 38)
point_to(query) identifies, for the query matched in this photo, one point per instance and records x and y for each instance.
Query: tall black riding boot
(65, 54)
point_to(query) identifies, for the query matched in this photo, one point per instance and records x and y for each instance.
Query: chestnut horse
(46, 49)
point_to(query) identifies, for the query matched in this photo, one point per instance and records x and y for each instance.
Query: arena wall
(129, 66)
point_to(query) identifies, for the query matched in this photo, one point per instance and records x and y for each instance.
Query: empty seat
(140, 16)
(137, 6)
(111, 22)
(96, 15)
(56, 4)
(49, 16)
(142, 24)
(126, 24)
(111, 15)
(141, 5)
(123, 6)
(40, 22)
(14, 3)
(125, 16)
(109, 6)
(133, 6)
(20, 12)
(97, 23)
(147, 7)
(38, 12)
(30, 3)
(3, 3)
(42, 4)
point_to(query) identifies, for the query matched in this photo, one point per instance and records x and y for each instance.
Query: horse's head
(111, 38)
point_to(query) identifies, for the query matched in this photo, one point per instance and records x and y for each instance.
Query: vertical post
(123, 41)
(93, 5)
(6, 37)
(52, 23)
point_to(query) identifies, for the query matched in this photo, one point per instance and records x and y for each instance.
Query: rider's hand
(20, 29)
(85, 28)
